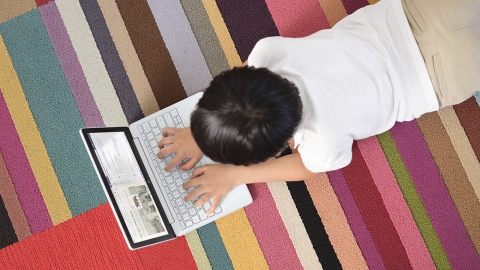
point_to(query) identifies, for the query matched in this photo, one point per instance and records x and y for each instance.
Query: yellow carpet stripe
(31, 140)
(129, 57)
(462, 146)
(294, 225)
(237, 233)
(222, 33)
(198, 252)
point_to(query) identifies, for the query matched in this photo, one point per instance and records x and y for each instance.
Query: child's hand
(181, 143)
(214, 181)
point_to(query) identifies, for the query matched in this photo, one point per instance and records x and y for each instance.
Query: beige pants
(448, 35)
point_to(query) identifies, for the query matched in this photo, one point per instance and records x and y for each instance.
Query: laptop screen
(130, 191)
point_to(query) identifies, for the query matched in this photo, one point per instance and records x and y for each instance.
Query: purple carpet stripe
(247, 21)
(71, 66)
(270, 230)
(435, 197)
(355, 220)
(352, 5)
(112, 60)
(21, 173)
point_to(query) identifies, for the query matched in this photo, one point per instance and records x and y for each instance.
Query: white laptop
(148, 201)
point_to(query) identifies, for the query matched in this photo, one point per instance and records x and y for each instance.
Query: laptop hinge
(155, 181)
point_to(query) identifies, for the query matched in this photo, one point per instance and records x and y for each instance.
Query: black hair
(246, 116)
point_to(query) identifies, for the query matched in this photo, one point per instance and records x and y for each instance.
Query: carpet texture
(409, 199)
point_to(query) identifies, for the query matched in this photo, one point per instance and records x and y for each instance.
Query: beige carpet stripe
(198, 251)
(222, 33)
(453, 174)
(334, 10)
(294, 225)
(129, 57)
(91, 61)
(335, 222)
(462, 146)
(10, 9)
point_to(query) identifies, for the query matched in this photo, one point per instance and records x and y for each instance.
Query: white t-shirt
(355, 81)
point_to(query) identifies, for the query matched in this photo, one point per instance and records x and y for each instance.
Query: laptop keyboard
(151, 133)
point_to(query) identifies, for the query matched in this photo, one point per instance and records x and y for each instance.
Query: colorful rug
(408, 200)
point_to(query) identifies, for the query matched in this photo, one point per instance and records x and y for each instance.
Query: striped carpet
(408, 200)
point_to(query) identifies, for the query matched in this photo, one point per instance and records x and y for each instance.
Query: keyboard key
(179, 216)
(170, 197)
(192, 211)
(168, 120)
(173, 187)
(195, 219)
(150, 136)
(178, 181)
(176, 194)
(218, 210)
(144, 137)
(188, 223)
(169, 179)
(156, 131)
(162, 165)
(183, 209)
(180, 201)
(207, 205)
(153, 123)
(182, 224)
(153, 143)
(202, 214)
(140, 129)
(186, 217)
(146, 127)
(176, 174)
(176, 210)
(184, 175)
(174, 112)
(161, 122)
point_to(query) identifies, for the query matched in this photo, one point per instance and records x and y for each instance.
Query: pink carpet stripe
(396, 206)
(355, 219)
(270, 230)
(23, 180)
(71, 66)
(297, 18)
(431, 189)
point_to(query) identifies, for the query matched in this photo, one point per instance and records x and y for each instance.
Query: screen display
(128, 186)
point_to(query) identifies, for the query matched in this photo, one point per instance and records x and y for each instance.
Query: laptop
(147, 201)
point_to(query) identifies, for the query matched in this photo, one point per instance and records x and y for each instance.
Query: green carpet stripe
(205, 34)
(413, 201)
(214, 247)
(54, 109)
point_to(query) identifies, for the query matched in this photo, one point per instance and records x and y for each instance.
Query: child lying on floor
(392, 61)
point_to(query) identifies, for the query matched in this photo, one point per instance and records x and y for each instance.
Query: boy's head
(246, 116)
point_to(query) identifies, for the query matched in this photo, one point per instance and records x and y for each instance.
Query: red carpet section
(92, 240)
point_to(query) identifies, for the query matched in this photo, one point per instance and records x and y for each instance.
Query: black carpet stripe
(314, 226)
(7, 232)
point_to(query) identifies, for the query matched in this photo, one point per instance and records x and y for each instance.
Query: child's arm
(216, 180)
